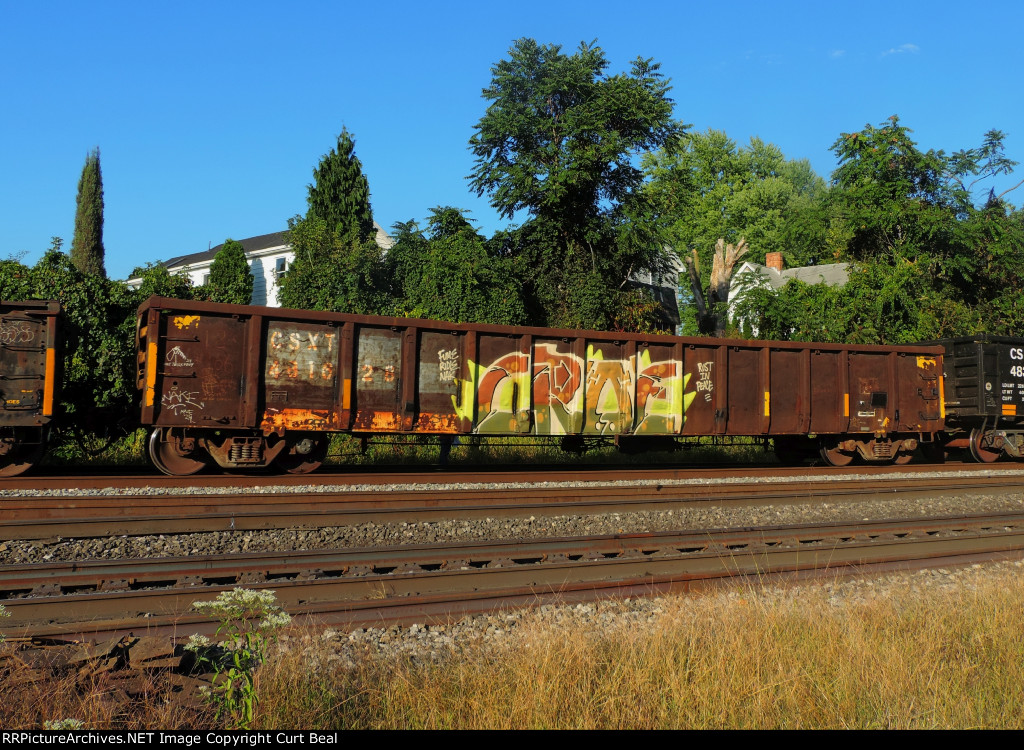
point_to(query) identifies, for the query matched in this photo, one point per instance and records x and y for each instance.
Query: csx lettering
(1017, 354)
(293, 342)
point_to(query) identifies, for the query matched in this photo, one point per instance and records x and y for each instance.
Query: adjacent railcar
(984, 396)
(29, 381)
(247, 386)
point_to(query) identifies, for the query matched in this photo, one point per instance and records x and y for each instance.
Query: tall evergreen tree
(340, 193)
(230, 278)
(337, 262)
(87, 244)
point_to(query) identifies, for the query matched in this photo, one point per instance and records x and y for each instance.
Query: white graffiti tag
(704, 382)
(176, 358)
(16, 332)
(447, 365)
(181, 403)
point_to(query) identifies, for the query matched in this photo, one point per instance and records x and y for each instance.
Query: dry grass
(910, 659)
(99, 703)
(893, 656)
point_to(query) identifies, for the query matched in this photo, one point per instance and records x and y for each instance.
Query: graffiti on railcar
(609, 394)
(557, 377)
(16, 331)
(300, 355)
(182, 404)
(705, 383)
(177, 358)
(447, 365)
(185, 321)
(661, 396)
(570, 394)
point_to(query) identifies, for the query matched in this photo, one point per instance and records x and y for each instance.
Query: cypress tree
(87, 244)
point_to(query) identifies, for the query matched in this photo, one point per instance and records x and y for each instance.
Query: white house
(269, 256)
(749, 275)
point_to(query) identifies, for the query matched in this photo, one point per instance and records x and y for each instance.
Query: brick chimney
(774, 261)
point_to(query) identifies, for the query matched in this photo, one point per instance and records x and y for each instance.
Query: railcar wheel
(170, 456)
(903, 457)
(304, 453)
(17, 457)
(982, 453)
(834, 455)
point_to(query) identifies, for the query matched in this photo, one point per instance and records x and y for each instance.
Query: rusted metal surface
(30, 375)
(326, 372)
(29, 372)
(349, 584)
(300, 381)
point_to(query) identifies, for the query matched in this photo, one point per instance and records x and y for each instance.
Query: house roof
(832, 274)
(250, 245)
(255, 244)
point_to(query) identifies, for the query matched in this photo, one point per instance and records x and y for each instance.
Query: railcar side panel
(786, 399)
(558, 375)
(830, 404)
(379, 371)
(29, 366)
(300, 376)
(198, 374)
(660, 389)
(745, 401)
(502, 385)
(439, 356)
(701, 389)
(608, 389)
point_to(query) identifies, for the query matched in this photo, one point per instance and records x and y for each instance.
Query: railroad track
(275, 507)
(429, 583)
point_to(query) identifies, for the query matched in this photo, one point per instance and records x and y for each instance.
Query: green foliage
(330, 274)
(230, 281)
(340, 193)
(638, 312)
(558, 141)
(98, 326)
(87, 243)
(928, 263)
(249, 621)
(338, 265)
(709, 189)
(451, 275)
(156, 279)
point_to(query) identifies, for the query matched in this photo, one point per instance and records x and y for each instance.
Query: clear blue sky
(210, 116)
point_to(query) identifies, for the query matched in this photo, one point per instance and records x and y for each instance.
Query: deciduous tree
(558, 142)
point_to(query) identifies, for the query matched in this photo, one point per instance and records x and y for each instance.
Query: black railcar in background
(983, 389)
(30, 375)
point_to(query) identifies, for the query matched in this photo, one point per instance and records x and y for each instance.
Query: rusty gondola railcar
(247, 386)
(30, 376)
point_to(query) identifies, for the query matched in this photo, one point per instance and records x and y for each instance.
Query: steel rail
(59, 478)
(378, 585)
(114, 515)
